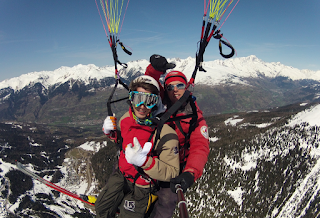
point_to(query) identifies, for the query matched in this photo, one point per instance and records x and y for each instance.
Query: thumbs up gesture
(137, 155)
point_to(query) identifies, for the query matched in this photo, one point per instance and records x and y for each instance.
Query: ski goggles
(138, 98)
(179, 86)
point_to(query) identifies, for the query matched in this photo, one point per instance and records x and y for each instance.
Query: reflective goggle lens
(179, 86)
(139, 98)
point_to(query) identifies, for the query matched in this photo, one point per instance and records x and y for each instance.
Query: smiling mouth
(142, 111)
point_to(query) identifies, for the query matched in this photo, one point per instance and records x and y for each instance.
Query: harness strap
(118, 81)
(173, 119)
(186, 144)
(194, 119)
(192, 126)
(178, 124)
(144, 176)
(172, 110)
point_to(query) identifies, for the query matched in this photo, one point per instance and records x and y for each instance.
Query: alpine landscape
(263, 123)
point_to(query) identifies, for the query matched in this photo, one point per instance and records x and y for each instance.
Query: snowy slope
(311, 116)
(310, 184)
(71, 182)
(304, 191)
(274, 174)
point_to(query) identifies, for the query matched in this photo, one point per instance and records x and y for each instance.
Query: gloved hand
(136, 155)
(185, 179)
(110, 124)
(160, 63)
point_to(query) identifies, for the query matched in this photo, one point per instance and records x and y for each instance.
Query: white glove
(110, 124)
(136, 155)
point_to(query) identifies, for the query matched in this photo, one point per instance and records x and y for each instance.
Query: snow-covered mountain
(219, 71)
(78, 95)
(83, 73)
(261, 164)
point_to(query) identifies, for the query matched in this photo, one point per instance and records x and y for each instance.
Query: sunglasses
(179, 86)
(138, 98)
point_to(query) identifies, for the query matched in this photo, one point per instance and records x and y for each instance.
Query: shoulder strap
(192, 123)
(173, 109)
(178, 124)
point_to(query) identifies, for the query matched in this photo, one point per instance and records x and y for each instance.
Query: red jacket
(197, 154)
(163, 166)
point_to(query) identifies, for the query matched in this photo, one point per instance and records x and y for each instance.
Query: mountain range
(218, 72)
(78, 95)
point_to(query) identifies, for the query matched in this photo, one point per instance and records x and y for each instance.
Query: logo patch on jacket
(204, 131)
(129, 205)
(175, 150)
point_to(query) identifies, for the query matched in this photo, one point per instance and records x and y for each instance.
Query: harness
(170, 116)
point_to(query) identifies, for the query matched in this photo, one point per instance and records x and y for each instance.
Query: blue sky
(37, 35)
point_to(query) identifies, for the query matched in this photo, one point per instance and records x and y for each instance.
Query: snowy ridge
(249, 193)
(80, 72)
(61, 75)
(218, 71)
(233, 70)
(311, 116)
(290, 209)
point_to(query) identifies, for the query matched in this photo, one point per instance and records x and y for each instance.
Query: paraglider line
(206, 9)
(229, 14)
(124, 15)
(103, 23)
(225, 11)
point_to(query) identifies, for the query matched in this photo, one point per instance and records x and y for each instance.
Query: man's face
(141, 111)
(175, 94)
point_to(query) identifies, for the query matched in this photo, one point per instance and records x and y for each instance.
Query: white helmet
(147, 79)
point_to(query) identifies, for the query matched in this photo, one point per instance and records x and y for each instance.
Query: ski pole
(182, 204)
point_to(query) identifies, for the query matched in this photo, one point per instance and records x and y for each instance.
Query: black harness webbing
(118, 81)
(192, 123)
(171, 111)
(192, 126)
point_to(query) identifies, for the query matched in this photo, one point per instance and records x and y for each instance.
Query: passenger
(142, 161)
